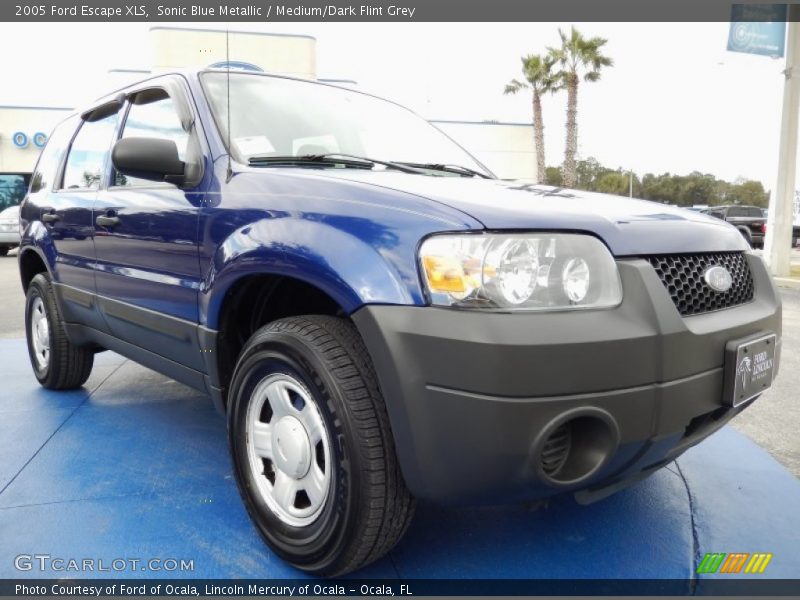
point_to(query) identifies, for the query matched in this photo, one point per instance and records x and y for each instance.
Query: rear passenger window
(47, 167)
(87, 155)
(152, 115)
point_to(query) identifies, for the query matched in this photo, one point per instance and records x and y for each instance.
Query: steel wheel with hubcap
(312, 446)
(40, 333)
(289, 449)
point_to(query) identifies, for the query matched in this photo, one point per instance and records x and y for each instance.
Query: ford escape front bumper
(490, 407)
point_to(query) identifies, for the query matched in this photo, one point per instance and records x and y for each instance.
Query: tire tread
(70, 365)
(386, 505)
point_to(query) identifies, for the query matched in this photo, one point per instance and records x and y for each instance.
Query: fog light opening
(555, 450)
(575, 447)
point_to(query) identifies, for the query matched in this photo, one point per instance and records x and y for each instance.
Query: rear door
(146, 238)
(62, 193)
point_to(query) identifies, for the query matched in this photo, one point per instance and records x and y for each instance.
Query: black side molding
(151, 360)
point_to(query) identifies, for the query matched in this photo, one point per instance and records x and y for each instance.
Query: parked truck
(750, 221)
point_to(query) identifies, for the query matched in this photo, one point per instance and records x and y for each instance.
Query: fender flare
(37, 239)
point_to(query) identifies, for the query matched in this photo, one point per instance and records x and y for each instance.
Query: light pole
(781, 203)
(630, 185)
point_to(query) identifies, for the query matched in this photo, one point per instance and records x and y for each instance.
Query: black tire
(4, 250)
(368, 507)
(68, 366)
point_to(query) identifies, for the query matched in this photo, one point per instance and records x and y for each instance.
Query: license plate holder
(749, 367)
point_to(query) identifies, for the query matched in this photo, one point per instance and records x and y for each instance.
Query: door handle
(50, 217)
(105, 221)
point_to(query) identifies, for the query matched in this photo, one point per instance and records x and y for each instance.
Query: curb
(787, 282)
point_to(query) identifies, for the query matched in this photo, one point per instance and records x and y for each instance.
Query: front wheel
(312, 447)
(57, 363)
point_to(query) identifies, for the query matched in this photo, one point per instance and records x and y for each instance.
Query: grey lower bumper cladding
(471, 395)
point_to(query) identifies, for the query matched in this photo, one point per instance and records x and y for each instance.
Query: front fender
(348, 269)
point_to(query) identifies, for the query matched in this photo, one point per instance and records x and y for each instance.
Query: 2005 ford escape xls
(378, 316)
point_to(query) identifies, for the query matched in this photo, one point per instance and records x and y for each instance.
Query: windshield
(12, 189)
(285, 117)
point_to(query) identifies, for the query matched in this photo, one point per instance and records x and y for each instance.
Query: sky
(675, 101)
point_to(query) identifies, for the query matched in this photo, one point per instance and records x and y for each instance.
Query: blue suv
(379, 318)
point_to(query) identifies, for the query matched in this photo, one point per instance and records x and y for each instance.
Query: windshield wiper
(332, 158)
(458, 169)
(304, 159)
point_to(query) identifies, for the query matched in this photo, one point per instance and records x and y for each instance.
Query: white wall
(506, 148)
(284, 54)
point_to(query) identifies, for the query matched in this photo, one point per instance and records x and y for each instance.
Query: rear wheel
(312, 447)
(57, 363)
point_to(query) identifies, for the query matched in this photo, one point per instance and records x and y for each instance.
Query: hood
(629, 227)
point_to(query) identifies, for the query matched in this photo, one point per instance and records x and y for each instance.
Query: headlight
(536, 271)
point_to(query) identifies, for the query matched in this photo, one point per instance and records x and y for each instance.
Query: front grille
(682, 275)
(556, 449)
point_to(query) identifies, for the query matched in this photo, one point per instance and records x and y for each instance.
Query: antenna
(228, 67)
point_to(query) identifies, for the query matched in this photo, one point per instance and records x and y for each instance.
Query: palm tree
(540, 79)
(577, 56)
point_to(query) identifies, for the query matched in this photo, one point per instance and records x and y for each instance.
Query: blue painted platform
(136, 465)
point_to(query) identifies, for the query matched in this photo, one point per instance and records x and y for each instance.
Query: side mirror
(149, 158)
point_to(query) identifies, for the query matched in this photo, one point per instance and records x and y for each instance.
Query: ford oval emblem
(718, 278)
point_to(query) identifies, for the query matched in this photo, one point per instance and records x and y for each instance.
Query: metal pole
(630, 190)
(781, 204)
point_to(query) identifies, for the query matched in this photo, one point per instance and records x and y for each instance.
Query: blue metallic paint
(629, 227)
(356, 243)
(36, 239)
(150, 259)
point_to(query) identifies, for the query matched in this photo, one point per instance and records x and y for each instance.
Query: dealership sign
(758, 29)
(236, 65)
(21, 139)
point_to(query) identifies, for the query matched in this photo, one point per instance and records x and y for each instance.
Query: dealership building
(506, 148)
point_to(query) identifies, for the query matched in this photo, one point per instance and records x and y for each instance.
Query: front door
(146, 241)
